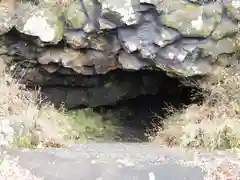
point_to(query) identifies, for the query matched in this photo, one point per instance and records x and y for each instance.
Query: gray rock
(141, 39)
(226, 28)
(130, 62)
(193, 20)
(129, 40)
(122, 10)
(75, 16)
(233, 9)
(76, 39)
(40, 21)
(68, 58)
(222, 46)
(57, 44)
(19, 48)
(183, 58)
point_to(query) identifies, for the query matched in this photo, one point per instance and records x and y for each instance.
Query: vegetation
(38, 125)
(212, 124)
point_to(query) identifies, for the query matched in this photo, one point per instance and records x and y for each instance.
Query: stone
(146, 38)
(93, 10)
(100, 42)
(75, 16)
(183, 58)
(20, 48)
(166, 36)
(214, 49)
(50, 68)
(131, 62)
(233, 9)
(193, 20)
(128, 39)
(226, 28)
(102, 63)
(77, 39)
(67, 57)
(99, 52)
(39, 21)
(122, 10)
(106, 24)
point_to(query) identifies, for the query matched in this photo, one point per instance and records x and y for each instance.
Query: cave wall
(75, 51)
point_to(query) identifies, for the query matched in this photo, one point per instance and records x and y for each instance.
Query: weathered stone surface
(122, 10)
(40, 21)
(233, 9)
(226, 28)
(214, 49)
(6, 18)
(75, 16)
(77, 39)
(67, 45)
(193, 20)
(135, 63)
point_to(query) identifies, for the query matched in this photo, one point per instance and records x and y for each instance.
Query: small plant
(22, 142)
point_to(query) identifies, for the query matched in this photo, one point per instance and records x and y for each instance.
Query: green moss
(60, 30)
(74, 16)
(107, 84)
(191, 8)
(229, 6)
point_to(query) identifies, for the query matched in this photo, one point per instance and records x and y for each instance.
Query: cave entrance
(138, 117)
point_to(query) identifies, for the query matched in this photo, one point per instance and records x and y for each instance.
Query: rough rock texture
(70, 50)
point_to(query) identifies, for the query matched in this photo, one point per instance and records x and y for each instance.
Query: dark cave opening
(141, 114)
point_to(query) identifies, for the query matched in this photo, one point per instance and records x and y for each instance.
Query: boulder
(71, 49)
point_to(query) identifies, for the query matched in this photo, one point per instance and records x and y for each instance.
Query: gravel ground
(117, 161)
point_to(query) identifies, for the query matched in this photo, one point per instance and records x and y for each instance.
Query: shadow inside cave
(139, 116)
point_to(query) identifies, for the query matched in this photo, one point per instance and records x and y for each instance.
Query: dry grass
(41, 125)
(213, 124)
(33, 125)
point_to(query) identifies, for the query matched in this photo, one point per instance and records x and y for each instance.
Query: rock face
(74, 51)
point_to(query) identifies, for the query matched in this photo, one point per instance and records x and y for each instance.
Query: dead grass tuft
(33, 125)
(213, 124)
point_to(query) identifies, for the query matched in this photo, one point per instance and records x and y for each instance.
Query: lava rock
(75, 51)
